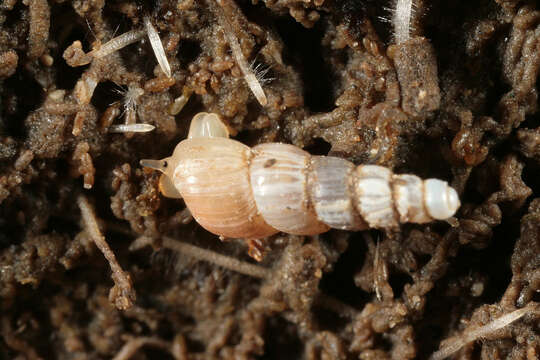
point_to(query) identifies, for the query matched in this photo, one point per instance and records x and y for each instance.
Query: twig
(122, 293)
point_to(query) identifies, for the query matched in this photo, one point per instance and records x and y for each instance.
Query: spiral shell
(235, 191)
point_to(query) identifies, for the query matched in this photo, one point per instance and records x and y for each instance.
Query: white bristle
(261, 71)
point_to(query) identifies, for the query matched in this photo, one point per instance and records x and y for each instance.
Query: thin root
(122, 294)
(215, 258)
(157, 46)
(249, 75)
(179, 103)
(402, 19)
(131, 346)
(452, 345)
(16, 344)
(124, 128)
(117, 43)
(238, 266)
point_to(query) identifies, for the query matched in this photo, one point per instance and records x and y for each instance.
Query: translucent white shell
(409, 199)
(235, 191)
(279, 183)
(441, 201)
(207, 125)
(373, 190)
(332, 193)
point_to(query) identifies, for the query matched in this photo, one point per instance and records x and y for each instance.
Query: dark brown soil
(457, 101)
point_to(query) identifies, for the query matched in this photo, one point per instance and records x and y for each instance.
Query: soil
(457, 101)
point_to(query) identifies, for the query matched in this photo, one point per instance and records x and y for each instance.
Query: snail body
(240, 192)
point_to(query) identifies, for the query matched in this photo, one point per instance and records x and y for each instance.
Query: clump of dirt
(449, 90)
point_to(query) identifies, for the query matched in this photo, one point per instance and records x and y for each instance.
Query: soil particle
(416, 68)
(29, 262)
(8, 63)
(38, 33)
(530, 142)
(128, 203)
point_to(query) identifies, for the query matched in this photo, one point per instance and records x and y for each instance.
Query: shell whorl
(332, 193)
(303, 194)
(278, 174)
(212, 176)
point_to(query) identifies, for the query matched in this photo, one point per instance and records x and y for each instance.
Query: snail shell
(235, 191)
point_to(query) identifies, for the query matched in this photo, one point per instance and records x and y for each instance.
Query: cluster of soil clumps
(96, 264)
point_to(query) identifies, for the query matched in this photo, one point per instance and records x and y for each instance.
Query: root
(125, 128)
(75, 56)
(452, 345)
(238, 266)
(338, 307)
(110, 114)
(131, 346)
(249, 75)
(84, 90)
(383, 290)
(13, 342)
(224, 261)
(83, 165)
(402, 20)
(8, 63)
(117, 43)
(157, 46)
(122, 295)
(40, 22)
(179, 103)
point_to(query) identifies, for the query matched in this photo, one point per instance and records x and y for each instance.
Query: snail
(240, 192)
